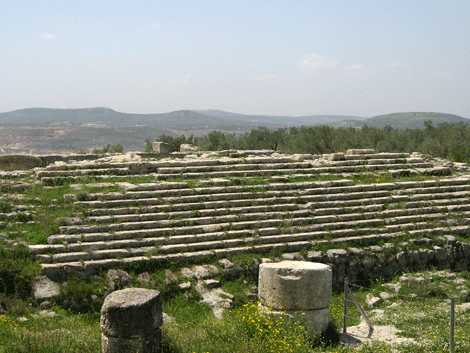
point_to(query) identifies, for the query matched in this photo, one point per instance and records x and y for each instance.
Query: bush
(148, 146)
(82, 294)
(5, 206)
(17, 271)
(83, 196)
(108, 149)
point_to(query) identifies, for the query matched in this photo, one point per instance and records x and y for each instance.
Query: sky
(284, 57)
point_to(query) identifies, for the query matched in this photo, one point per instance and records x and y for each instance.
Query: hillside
(410, 120)
(181, 119)
(280, 120)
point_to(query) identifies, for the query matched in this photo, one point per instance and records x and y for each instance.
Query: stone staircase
(221, 206)
(245, 166)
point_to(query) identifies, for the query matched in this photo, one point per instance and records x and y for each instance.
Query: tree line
(451, 141)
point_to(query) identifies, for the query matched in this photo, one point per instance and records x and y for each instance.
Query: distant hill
(279, 120)
(177, 120)
(410, 120)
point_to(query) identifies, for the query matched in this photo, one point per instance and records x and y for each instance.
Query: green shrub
(82, 294)
(5, 206)
(108, 149)
(148, 146)
(17, 271)
(83, 196)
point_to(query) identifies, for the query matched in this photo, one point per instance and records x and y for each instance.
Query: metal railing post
(452, 318)
(345, 309)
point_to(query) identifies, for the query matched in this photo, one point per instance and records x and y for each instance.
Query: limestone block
(295, 285)
(440, 254)
(131, 313)
(161, 147)
(336, 157)
(360, 151)
(44, 288)
(148, 344)
(186, 147)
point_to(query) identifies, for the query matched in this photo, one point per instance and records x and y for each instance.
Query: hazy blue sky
(261, 57)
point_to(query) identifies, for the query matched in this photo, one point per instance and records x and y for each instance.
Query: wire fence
(410, 319)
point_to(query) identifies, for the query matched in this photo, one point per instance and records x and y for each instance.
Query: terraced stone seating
(222, 206)
(210, 167)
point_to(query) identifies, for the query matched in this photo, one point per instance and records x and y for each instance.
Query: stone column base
(150, 344)
(314, 321)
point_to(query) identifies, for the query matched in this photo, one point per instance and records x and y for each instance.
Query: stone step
(309, 223)
(376, 156)
(206, 166)
(221, 208)
(270, 167)
(344, 186)
(214, 162)
(309, 171)
(55, 270)
(262, 235)
(189, 195)
(177, 219)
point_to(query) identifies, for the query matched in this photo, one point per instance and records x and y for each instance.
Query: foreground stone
(295, 285)
(314, 321)
(131, 320)
(45, 289)
(297, 290)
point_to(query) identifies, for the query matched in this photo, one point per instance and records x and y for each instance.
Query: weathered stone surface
(314, 321)
(44, 288)
(186, 147)
(228, 267)
(147, 344)
(372, 300)
(200, 271)
(360, 151)
(336, 157)
(170, 278)
(216, 298)
(118, 279)
(295, 285)
(145, 279)
(131, 313)
(44, 313)
(161, 147)
(19, 162)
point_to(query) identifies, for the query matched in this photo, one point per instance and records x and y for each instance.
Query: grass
(244, 329)
(66, 333)
(372, 178)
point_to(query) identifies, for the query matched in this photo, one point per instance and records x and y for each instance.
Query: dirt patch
(359, 334)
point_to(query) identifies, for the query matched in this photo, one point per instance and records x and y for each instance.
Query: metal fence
(418, 318)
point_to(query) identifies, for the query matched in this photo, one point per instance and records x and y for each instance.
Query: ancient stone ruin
(131, 320)
(298, 290)
(345, 210)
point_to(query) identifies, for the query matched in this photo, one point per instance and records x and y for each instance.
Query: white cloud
(47, 35)
(315, 62)
(395, 63)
